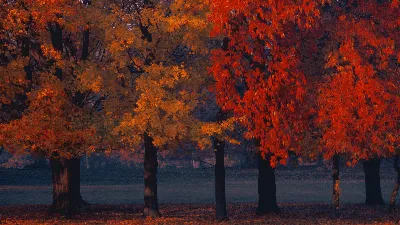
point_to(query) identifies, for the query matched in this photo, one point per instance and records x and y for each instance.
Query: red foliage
(263, 58)
(359, 94)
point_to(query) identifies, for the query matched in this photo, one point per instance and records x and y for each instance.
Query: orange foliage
(52, 120)
(50, 124)
(166, 49)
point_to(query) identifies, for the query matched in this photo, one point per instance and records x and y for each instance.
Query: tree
(161, 70)
(220, 131)
(220, 197)
(60, 113)
(358, 96)
(258, 77)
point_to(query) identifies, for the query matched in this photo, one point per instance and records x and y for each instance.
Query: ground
(242, 213)
(187, 196)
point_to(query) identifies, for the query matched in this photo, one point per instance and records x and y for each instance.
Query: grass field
(187, 196)
(307, 184)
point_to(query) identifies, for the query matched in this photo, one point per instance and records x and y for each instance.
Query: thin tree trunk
(150, 178)
(87, 162)
(373, 193)
(220, 199)
(67, 198)
(266, 187)
(396, 186)
(336, 185)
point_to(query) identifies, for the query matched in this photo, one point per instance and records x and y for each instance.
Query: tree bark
(266, 187)
(392, 204)
(373, 193)
(85, 45)
(220, 198)
(87, 162)
(25, 52)
(150, 178)
(336, 185)
(57, 43)
(67, 198)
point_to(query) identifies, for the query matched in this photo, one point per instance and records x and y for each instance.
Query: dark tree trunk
(79, 97)
(150, 178)
(67, 198)
(396, 186)
(220, 199)
(336, 185)
(266, 187)
(57, 43)
(25, 52)
(373, 192)
(28, 72)
(28, 68)
(85, 45)
(56, 36)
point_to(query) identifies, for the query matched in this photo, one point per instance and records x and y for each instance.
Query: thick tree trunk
(336, 185)
(266, 187)
(67, 198)
(220, 199)
(396, 186)
(373, 191)
(150, 178)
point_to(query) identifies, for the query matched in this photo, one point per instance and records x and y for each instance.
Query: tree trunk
(266, 187)
(336, 185)
(67, 198)
(150, 178)
(373, 182)
(85, 45)
(87, 162)
(396, 186)
(220, 199)
(56, 36)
